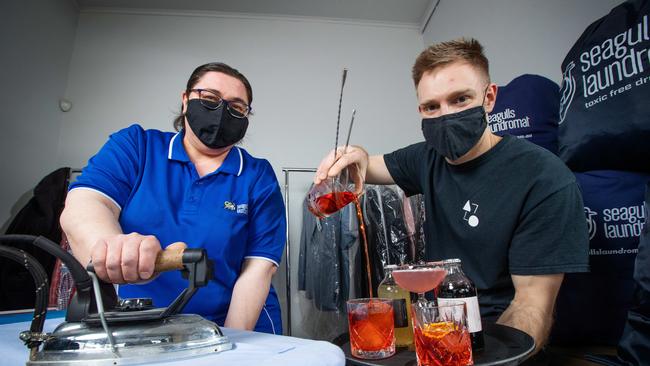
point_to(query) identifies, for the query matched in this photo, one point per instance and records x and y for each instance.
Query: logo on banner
(608, 69)
(567, 90)
(591, 223)
(624, 221)
(507, 120)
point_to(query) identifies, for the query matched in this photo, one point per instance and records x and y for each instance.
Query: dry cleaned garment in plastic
(328, 252)
(329, 272)
(332, 266)
(389, 241)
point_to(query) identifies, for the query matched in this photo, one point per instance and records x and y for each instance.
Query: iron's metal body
(175, 337)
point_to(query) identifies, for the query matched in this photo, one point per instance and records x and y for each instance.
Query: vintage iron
(100, 329)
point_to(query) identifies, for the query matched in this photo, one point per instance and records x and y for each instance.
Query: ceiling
(412, 12)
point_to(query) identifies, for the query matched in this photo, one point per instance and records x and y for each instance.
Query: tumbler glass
(441, 334)
(372, 329)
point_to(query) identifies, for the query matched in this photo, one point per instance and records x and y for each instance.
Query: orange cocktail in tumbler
(441, 335)
(372, 331)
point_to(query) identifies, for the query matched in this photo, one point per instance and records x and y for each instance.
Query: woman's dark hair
(198, 73)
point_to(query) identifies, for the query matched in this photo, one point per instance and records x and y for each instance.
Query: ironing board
(250, 348)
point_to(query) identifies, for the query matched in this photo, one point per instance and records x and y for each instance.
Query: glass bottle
(401, 304)
(458, 287)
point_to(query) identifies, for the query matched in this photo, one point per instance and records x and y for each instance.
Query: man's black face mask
(216, 128)
(453, 135)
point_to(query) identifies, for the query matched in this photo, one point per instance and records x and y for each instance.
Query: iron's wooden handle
(170, 259)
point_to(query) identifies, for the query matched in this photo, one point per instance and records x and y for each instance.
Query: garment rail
(287, 262)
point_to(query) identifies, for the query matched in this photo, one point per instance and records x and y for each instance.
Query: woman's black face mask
(216, 128)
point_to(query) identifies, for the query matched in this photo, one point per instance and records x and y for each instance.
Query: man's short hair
(444, 53)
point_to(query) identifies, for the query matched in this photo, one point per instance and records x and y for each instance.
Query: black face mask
(453, 135)
(216, 128)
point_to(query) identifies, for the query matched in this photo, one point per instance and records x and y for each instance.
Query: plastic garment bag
(332, 265)
(329, 264)
(394, 228)
(61, 285)
(415, 205)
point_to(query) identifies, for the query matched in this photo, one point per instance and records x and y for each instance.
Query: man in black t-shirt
(511, 211)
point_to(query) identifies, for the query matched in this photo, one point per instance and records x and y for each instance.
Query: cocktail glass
(420, 278)
(332, 194)
(372, 329)
(441, 335)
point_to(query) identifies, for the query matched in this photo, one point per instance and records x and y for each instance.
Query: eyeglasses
(211, 100)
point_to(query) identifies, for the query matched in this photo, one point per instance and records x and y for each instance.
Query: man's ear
(490, 97)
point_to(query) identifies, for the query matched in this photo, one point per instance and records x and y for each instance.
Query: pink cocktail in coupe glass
(420, 278)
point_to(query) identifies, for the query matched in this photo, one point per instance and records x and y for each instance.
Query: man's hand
(361, 167)
(355, 159)
(125, 258)
(531, 310)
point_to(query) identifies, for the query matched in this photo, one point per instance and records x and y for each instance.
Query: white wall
(130, 68)
(36, 39)
(519, 36)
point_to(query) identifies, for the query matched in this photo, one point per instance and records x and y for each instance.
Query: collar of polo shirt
(233, 164)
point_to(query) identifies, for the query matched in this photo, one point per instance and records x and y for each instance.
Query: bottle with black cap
(458, 287)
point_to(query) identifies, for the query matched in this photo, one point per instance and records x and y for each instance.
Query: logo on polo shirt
(229, 206)
(470, 211)
(240, 209)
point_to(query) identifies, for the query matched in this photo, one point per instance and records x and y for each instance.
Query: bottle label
(473, 312)
(399, 313)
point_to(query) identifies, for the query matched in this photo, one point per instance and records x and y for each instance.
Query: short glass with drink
(372, 331)
(441, 335)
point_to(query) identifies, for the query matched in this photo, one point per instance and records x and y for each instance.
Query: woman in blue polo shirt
(146, 189)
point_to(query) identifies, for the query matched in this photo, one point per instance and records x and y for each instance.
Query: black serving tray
(503, 346)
